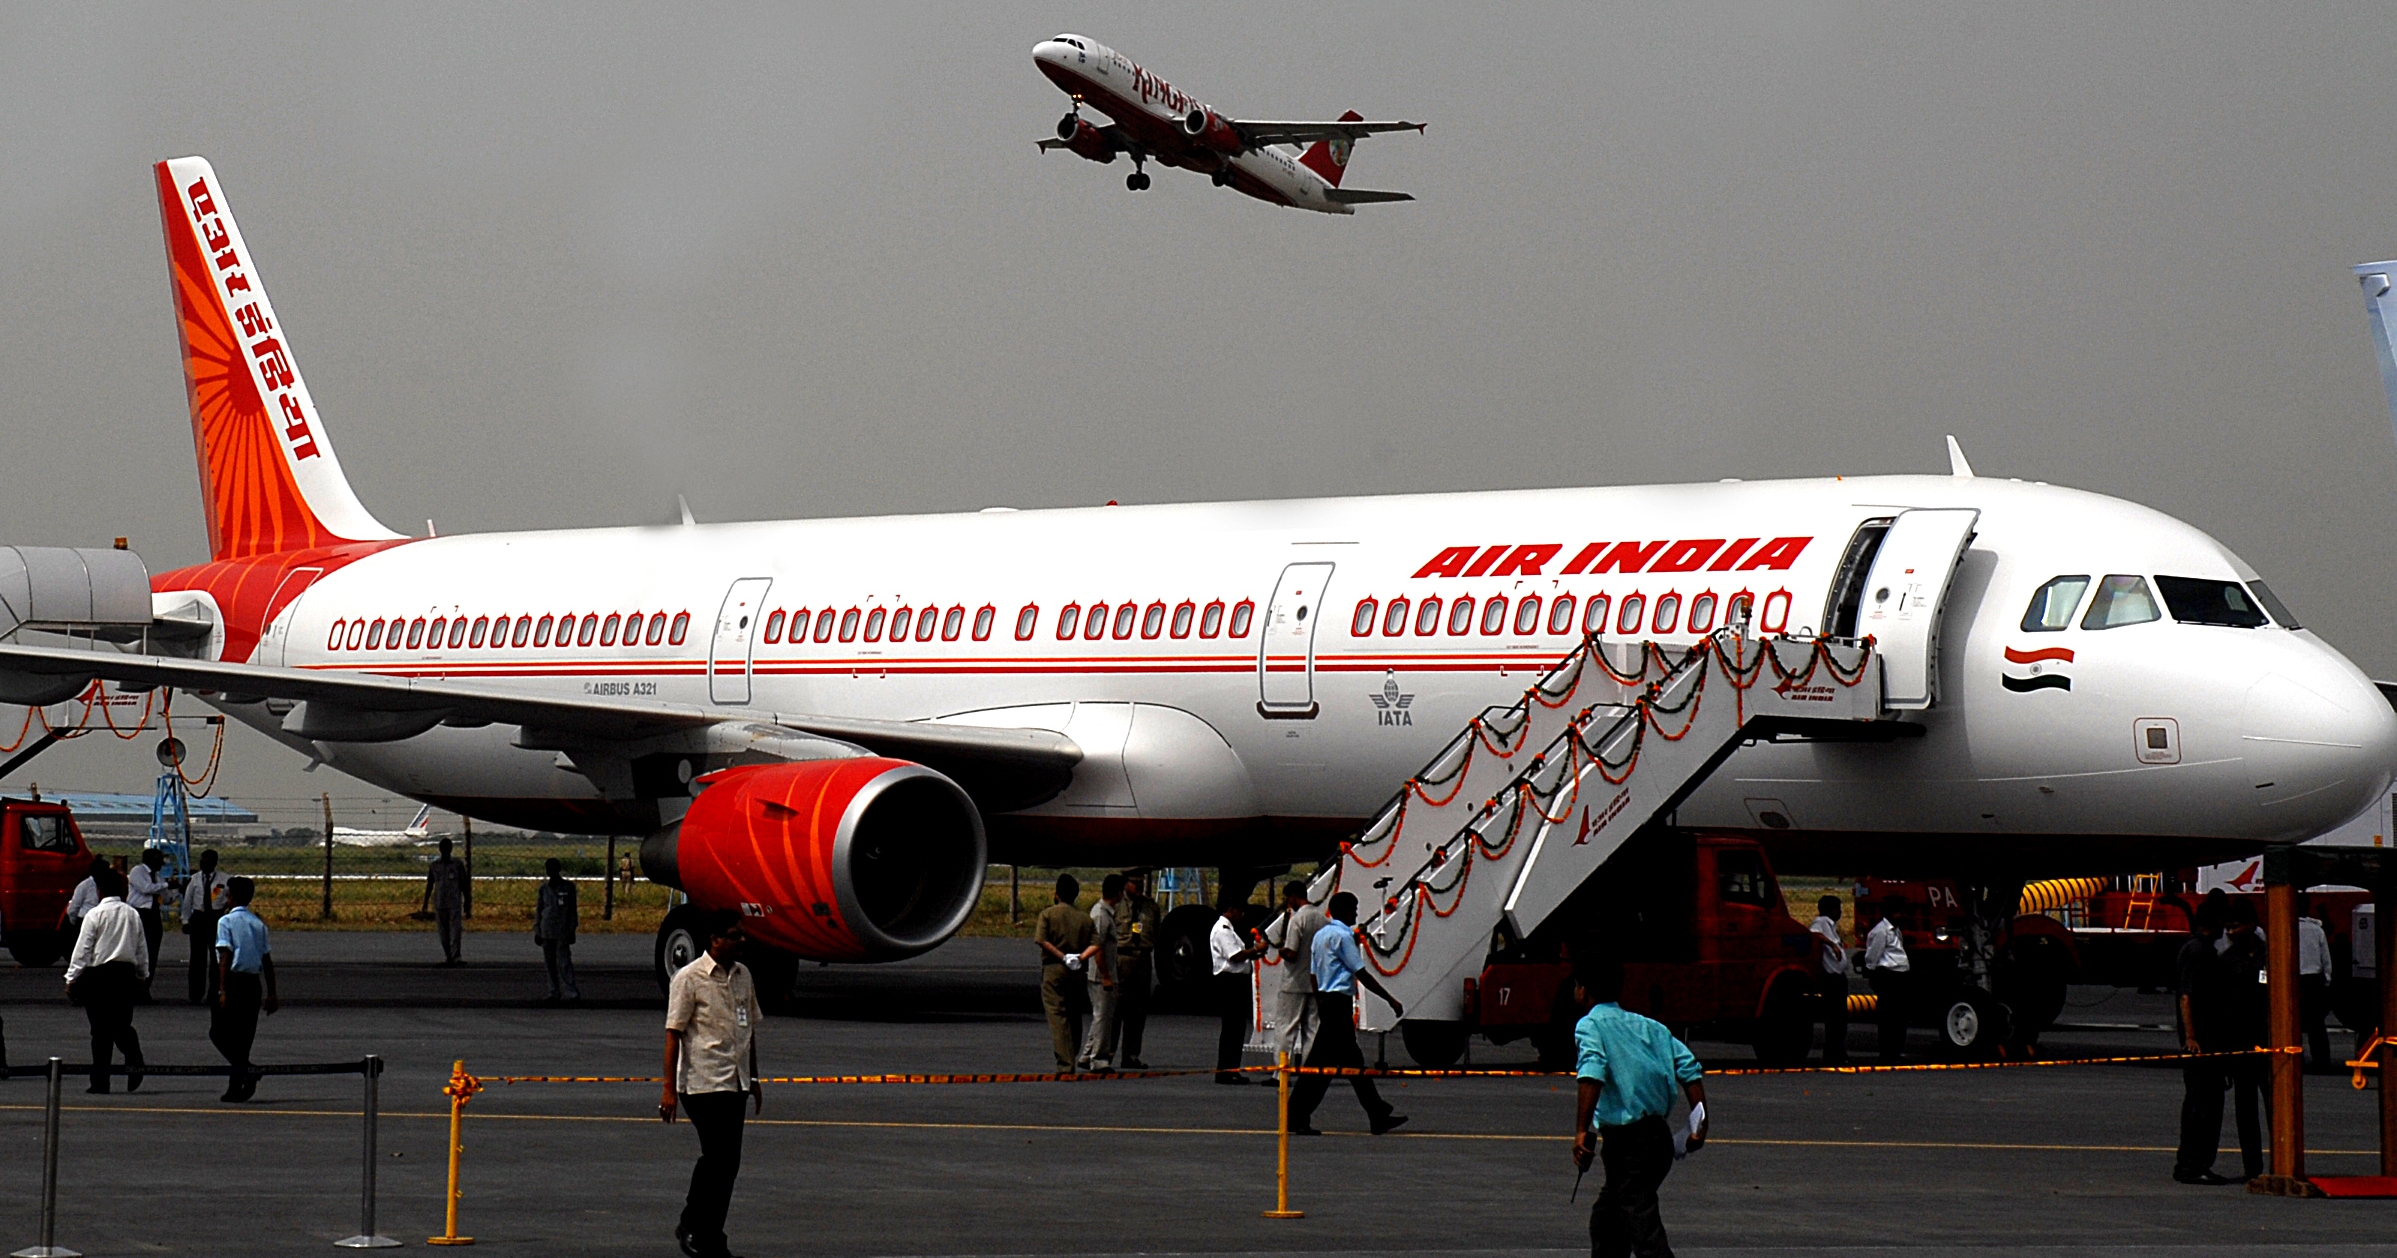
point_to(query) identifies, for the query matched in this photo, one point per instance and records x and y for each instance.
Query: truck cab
(42, 857)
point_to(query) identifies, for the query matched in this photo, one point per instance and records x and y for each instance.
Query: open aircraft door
(1286, 654)
(734, 643)
(1903, 593)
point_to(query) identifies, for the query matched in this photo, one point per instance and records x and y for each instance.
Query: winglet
(2376, 277)
(1956, 464)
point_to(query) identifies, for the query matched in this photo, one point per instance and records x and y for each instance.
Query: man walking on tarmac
(105, 975)
(1135, 976)
(1339, 966)
(146, 889)
(1886, 967)
(1098, 1039)
(445, 895)
(1629, 1066)
(1291, 936)
(245, 985)
(711, 1061)
(1065, 937)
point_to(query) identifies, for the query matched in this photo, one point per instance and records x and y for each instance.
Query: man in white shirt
(203, 903)
(1289, 937)
(2313, 986)
(711, 1060)
(85, 895)
(144, 884)
(1229, 958)
(1832, 964)
(105, 975)
(1888, 969)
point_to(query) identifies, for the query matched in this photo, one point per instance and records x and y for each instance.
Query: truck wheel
(680, 942)
(1786, 1030)
(1433, 1045)
(36, 949)
(1971, 1025)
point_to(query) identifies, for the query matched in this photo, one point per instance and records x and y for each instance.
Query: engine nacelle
(1211, 131)
(1088, 141)
(865, 859)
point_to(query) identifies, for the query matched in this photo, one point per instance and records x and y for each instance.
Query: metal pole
(1015, 893)
(1281, 1176)
(467, 824)
(327, 911)
(2288, 1078)
(607, 907)
(49, 1246)
(372, 1068)
(2384, 948)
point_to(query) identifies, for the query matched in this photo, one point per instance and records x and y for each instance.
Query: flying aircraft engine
(1085, 140)
(864, 859)
(1211, 131)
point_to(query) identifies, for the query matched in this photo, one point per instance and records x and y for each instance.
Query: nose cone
(2320, 742)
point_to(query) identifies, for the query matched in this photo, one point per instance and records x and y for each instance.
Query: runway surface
(2052, 1160)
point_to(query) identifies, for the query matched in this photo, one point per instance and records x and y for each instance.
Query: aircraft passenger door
(1903, 594)
(1286, 652)
(733, 645)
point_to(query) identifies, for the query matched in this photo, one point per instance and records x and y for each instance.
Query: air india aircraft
(1154, 120)
(835, 724)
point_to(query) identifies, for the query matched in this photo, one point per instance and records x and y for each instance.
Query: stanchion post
(2384, 957)
(2283, 870)
(461, 1086)
(367, 1237)
(49, 1246)
(1281, 1175)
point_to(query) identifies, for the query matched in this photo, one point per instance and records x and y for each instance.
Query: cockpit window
(2197, 601)
(2121, 600)
(2272, 603)
(2052, 607)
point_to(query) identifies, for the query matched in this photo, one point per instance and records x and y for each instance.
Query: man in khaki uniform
(1290, 936)
(1066, 940)
(1135, 946)
(1098, 1040)
(711, 1060)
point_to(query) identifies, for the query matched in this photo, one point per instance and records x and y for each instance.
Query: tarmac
(2056, 1160)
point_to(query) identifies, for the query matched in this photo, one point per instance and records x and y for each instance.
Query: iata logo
(1391, 704)
(2042, 675)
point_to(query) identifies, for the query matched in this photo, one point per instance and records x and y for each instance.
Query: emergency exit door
(1903, 594)
(733, 645)
(1286, 654)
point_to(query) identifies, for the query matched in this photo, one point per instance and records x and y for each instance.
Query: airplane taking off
(1153, 120)
(835, 724)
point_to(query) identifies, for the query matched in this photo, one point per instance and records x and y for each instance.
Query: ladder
(1528, 800)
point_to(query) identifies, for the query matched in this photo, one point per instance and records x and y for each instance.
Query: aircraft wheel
(1223, 178)
(1971, 1025)
(1137, 181)
(680, 941)
(37, 949)
(1433, 1045)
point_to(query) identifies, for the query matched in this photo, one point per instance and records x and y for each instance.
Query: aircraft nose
(2319, 740)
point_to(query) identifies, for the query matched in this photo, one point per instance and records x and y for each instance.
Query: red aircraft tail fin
(1329, 158)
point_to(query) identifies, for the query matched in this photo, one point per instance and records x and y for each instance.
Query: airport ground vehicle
(42, 857)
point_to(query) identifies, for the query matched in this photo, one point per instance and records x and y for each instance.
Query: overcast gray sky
(550, 267)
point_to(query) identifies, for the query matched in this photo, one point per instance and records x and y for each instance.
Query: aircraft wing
(1264, 133)
(366, 707)
(1364, 196)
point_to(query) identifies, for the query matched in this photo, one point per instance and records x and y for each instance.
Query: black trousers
(200, 984)
(233, 1025)
(717, 1117)
(2313, 1013)
(1132, 1005)
(2201, 1113)
(1835, 1017)
(108, 992)
(153, 930)
(1889, 1010)
(1626, 1218)
(1335, 1045)
(1231, 1005)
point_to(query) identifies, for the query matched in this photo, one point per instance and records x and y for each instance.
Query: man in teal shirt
(1629, 1066)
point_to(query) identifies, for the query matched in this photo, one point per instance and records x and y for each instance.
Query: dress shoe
(683, 1241)
(2201, 1177)
(133, 1078)
(1388, 1122)
(97, 1089)
(1134, 1063)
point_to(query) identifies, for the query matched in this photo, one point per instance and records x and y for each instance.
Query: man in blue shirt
(1339, 965)
(1629, 1066)
(245, 983)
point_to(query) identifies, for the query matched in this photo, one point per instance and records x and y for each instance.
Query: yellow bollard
(462, 1087)
(1281, 1188)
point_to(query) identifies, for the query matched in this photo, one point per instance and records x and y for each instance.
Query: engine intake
(1086, 141)
(864, 859)
(1211, 131)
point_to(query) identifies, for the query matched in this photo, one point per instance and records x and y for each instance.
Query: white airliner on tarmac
(2075, 683)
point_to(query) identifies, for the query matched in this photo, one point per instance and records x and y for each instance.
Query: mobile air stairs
(1528, 801)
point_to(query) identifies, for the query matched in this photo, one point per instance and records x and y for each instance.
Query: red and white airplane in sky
(877, 707)
(1154, 121)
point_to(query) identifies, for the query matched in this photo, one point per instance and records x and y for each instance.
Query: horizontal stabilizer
(1363, 196)
(1350, 128)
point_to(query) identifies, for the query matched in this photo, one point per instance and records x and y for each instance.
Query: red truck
(1708, 944)
(42, 857)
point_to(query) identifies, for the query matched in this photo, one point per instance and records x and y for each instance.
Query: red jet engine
(865, 859)
(1212, 132)
(1085, 140)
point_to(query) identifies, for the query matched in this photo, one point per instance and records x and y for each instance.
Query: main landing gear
(1138, 180)
(1223, 178)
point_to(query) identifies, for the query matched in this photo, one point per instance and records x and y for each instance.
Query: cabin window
(1094, 626)
(1152, 621)
(1069, 619)
(433, 636)
(1560, 614)
(1775, 616)
(541, 633)
(457, 633)
(1184, 612)
(341, 630)
(608, 628)
(357, 634)
(953, 624)
(1361, 624)
(1394, 621)
(1668, 614)
(680, 629)
(1493, 615)
(657, 629)
(523, 630)
(1124, 616)
(589, 630)
(2121, 600)
(1635, 606)
(1740, 607)
(474, 636)
(1702, 613)
(2052, 606)
(2196, 601)
(1527, 615)
(875, 619)
(499, 632)
(899, 624)
(2271, 603)
(1242, 612)
(849, 621)
(1593, 618)
(416, 633)
(1211, 620)
(773, 627)
(1026, 621)
(1427, 617)
(374, 636)
(823, 626)
(1460, 615)
(927, 624)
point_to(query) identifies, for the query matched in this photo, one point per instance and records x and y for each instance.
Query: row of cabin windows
(1099, 620)
(630, 629)
(1460, 617)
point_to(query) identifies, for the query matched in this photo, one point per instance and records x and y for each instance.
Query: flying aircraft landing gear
(1223, 178)
(1137, 181)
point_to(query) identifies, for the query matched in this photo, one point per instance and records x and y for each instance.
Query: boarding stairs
(1528, 800)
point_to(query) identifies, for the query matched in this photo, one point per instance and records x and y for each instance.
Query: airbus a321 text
(1152, 120)
(835, 724)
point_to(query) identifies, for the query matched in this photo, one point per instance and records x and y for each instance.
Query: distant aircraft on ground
(1154, 121)
(419, 831)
